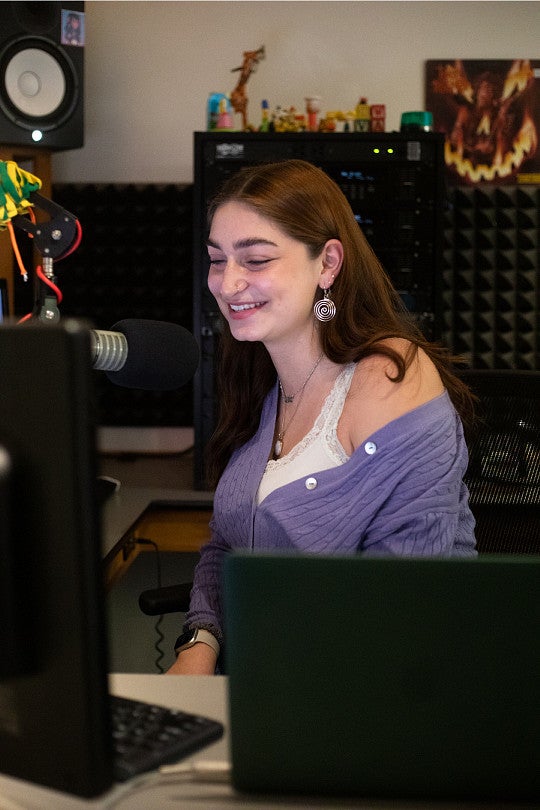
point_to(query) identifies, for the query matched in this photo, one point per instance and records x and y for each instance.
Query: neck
(292, 374)
(293, 363)
(290, 397)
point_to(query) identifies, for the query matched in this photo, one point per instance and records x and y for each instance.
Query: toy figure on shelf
(362, 119)
(287, 120)
(313, 108)
(337, 121)
(265, 121)
(224, 121)
(239, 98)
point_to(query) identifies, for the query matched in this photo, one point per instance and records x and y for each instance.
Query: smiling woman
(263, 280)
(340, 426)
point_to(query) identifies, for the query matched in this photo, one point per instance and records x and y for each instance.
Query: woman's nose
(233, 280)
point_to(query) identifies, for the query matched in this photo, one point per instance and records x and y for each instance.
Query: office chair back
(503, 476)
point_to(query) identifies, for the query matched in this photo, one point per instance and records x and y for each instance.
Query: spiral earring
(324, 308)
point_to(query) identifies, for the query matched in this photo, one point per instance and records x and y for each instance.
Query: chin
(243, 334)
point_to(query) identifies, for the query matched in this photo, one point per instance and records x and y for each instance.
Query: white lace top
(319, 450)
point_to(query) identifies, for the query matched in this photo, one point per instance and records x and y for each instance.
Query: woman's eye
(218, 263)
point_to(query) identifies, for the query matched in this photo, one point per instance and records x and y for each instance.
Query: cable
(201, 770)
(157, 626)
(75, 244)
(182, 773)
(56, 290)
(39, 270)
(157, 645)
(16, 251)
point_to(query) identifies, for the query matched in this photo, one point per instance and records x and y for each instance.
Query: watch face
(185, 638)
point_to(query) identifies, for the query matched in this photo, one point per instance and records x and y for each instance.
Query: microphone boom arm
(52, 238)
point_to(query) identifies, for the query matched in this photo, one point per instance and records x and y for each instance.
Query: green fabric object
(16, 185)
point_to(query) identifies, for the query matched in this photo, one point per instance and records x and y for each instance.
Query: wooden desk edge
(174, 523)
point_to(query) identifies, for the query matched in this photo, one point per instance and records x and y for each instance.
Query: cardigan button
(311, 483)
(370, 448)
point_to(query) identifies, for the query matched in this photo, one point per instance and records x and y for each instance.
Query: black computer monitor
(54, 709)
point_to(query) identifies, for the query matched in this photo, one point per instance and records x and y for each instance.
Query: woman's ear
(332, 259)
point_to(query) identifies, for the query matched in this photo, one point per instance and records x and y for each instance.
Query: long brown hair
(307, 205)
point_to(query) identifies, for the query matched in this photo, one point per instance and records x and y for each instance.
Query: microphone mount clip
(54, 237)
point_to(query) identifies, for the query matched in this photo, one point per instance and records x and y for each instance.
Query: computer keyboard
(146, 736)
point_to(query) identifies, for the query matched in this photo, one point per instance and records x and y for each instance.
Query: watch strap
(197, 636)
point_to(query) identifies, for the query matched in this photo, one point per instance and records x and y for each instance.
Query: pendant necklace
(288, 398)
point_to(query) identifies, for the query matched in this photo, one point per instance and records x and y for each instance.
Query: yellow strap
(16, 185)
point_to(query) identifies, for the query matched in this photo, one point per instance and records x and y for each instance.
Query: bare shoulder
(375, 400)
(374, 375)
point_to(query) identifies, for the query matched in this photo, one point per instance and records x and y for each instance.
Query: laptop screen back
(385, 677)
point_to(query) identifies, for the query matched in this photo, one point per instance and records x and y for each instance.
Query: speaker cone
(39, 85)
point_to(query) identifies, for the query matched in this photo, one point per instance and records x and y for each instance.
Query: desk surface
(176, 520)
(124, 508)
(205, 695)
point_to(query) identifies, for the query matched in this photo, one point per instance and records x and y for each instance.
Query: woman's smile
(237, 308)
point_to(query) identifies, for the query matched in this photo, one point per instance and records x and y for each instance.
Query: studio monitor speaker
(41, 74)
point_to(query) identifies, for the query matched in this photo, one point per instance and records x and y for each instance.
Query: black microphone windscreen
(161, 356)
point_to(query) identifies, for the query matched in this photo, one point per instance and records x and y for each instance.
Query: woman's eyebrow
(250, 241)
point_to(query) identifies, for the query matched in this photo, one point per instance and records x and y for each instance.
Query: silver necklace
(278, 446)
(290, 397)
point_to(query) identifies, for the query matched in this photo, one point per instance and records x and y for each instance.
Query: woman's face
(263, 280)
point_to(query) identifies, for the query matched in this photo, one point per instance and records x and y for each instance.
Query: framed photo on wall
(489, 111)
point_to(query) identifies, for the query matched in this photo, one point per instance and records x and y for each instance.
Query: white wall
(151, 64)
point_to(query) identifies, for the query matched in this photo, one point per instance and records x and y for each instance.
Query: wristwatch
(193, 636)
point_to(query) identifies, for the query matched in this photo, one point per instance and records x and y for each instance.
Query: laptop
(385, 678)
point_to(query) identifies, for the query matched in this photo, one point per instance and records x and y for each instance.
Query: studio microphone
(146, 354)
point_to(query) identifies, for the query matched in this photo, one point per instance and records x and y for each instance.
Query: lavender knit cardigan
(400, 493)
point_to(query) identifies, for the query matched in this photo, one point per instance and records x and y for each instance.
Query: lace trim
(325, 424)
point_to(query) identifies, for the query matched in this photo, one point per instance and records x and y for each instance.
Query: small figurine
(337, 121)
(239, 98)
(362, 118)
(265, 123)
(213, 109)
(313, 107)
(327, 124)
(287, 120)
(225, 121)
